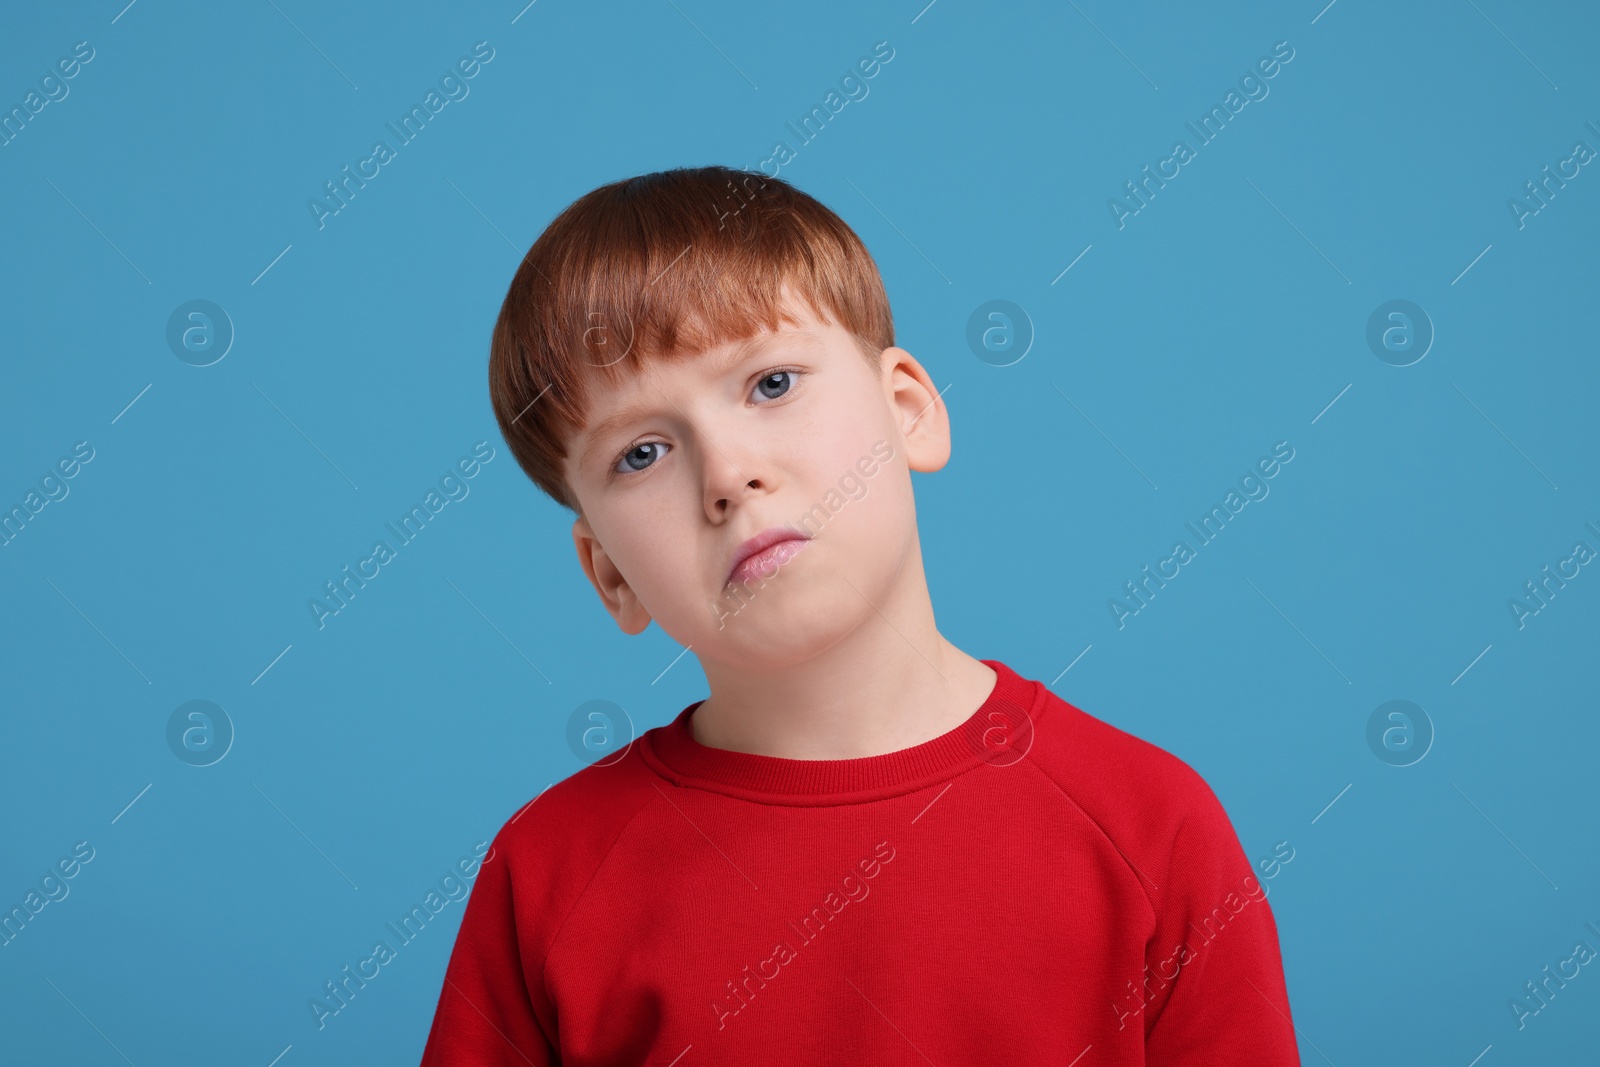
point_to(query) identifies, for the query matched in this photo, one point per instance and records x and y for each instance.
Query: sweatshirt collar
(999, 731)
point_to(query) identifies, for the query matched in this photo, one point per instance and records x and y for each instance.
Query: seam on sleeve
(1139, 877)
(1155, 1016)
(550, 948)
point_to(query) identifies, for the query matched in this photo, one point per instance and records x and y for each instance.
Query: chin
(788, 632)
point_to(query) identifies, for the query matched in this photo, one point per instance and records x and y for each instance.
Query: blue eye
(649, 447)
(780, 382)
(764, 382)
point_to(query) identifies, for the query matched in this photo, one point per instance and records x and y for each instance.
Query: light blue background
(1224, 317)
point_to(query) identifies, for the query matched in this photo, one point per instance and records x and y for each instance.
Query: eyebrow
(639, 409)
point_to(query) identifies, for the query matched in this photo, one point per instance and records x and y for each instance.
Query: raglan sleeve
(492, 1008)
(1214, 953)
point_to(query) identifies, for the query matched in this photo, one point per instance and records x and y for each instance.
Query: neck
(893, 683)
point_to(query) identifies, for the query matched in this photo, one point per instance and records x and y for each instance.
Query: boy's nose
(730, 479)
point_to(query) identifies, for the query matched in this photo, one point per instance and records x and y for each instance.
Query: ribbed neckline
(1005, 718)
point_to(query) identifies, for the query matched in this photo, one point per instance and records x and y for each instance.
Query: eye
(651, 450)
(773, 385)
(783, 378)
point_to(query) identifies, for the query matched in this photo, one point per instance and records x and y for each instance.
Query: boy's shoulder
(1109, 764)
(576, 820)
(1141, 796)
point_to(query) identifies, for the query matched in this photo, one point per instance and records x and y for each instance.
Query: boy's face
(786, 429)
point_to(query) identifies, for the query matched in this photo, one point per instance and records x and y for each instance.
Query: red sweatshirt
(1035, 886)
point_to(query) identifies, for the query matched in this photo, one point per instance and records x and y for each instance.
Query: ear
(919, 411)
(615, 593)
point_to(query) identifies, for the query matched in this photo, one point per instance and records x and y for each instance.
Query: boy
(865, 845)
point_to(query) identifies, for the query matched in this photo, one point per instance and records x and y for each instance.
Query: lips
(764, 553)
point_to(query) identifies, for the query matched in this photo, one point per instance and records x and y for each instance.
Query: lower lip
(766, 562)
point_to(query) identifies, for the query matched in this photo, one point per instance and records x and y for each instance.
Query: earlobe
(608, 582)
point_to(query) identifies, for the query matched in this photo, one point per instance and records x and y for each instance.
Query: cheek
(643, 549)
(834, 460)
(888, 509)
(657, 554)
(866, 509)
(842, 436)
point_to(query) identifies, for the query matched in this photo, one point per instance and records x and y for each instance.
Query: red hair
(662, 267)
